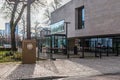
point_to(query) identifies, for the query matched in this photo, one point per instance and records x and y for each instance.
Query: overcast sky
(3, 20)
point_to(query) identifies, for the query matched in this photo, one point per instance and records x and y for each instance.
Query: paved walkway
(61, 67)
(101, 77)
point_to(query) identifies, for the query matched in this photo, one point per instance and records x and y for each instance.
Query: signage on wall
(29, 46)
(57, 27)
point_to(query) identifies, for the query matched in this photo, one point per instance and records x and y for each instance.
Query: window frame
(80, 23)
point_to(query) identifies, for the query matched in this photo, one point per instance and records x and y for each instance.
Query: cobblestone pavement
(74, 67)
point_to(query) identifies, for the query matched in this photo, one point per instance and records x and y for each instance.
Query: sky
(2, 20)
(38, 16)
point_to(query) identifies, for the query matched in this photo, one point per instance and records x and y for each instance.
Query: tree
(1, 39)
(34, 10)
(23, 24)
(36, 29)
(15, 19)
(55, 4)
(16, 8)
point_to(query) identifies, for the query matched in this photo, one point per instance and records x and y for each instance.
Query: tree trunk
(28, 20)
(13, 42)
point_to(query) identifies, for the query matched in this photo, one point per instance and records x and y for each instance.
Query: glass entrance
(56, 42)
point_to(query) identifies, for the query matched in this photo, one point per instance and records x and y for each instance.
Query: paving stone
(74, 67)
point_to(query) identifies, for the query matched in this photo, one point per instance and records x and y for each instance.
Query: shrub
(9, 54)
(17, 56)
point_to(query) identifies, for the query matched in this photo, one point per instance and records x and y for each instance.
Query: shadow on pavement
(104, 65)
(45, 78)
(22, 71)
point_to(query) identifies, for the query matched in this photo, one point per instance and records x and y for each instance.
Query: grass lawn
(2, 53)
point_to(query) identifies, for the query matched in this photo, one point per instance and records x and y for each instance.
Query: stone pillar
(29, 52)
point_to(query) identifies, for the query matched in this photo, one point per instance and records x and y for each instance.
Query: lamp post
(66, 24)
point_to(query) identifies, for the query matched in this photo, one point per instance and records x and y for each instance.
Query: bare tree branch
(13, 13)
(50, 8)
(20, 14)
(15, 8)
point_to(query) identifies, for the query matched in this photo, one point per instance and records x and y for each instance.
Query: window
(80, 17)
(57, 27)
